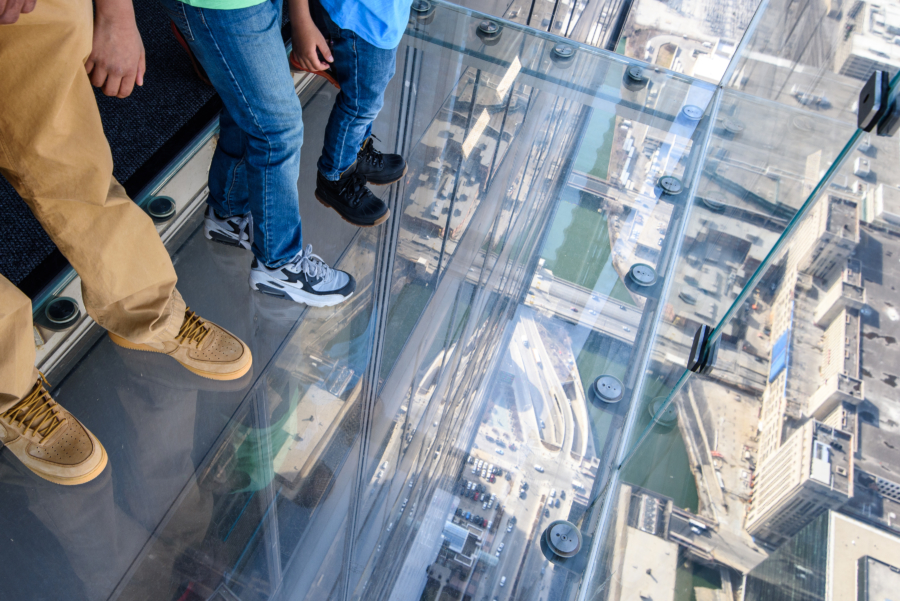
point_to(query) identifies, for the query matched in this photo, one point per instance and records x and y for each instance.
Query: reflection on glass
(503, 409)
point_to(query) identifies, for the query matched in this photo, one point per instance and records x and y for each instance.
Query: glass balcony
(516, 404)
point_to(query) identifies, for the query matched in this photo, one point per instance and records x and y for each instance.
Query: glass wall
(504, 409)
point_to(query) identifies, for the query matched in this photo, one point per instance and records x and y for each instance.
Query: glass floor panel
(415, 441)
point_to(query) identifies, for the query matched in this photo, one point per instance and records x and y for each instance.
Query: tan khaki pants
(53, 151)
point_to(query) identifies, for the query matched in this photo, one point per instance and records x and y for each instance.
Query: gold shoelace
(193, 329)
(37, 412)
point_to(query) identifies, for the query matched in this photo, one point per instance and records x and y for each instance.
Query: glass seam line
(782, 240)
(603, 518)
(381, 290)
(745, 41)
(594, 51)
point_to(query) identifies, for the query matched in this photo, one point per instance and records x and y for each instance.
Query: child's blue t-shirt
(379, 22)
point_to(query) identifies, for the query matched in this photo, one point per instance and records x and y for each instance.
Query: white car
(552, 492)
(500, 451)
(503, 581)
(509, 528)
(539, 468)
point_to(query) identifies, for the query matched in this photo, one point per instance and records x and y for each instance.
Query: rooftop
(843, 218)
(831, 454)
(850, 541)
(877, 580)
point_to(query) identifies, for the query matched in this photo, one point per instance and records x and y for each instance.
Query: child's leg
(243, 54)
(363, 72)
(228, 191)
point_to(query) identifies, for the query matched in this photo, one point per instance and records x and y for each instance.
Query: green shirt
(223, 4)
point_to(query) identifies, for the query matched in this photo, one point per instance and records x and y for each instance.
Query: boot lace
(194, 329)
(370, 155)
(311, 264)
(37, 413)
(354, 189)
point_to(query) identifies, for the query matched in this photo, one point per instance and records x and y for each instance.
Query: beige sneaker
(49, 440)
(201, 346)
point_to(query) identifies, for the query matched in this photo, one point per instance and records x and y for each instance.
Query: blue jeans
(257, 161)
(363, 71)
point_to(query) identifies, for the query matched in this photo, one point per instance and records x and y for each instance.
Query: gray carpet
(136, 127)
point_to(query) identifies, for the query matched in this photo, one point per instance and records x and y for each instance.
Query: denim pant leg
(243, 54)
(363, 71)
(229, 194)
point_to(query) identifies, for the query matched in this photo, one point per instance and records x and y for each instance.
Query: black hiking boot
(353, 201)
(380, 169)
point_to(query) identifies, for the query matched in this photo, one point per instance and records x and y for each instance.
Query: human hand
(11, 9)
(308, 42)
(117, 62)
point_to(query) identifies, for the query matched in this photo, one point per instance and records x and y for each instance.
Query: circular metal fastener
(635, 73)
(670, 184)
(563, 538)
(635, 78)
(692, 112)
(62, 312)
(669, 415)
(642, 274)
(713, 203)
(160, 208)
(422, 11)
(608, 389)
(489, 27)
(803, 123)
(734, 126)
(563, 51)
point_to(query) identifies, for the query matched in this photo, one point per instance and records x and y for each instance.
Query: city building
(828, 237)
(810, 473)
(868, 40)
(887, 204)
(835, 558)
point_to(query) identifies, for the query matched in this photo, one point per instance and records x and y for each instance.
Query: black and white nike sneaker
(233, 231)
(306, 279)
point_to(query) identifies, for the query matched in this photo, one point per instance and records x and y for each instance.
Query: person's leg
(363, 72)
(229, 194)
(17, 351)
(243, 54)
(54, 152)
(227, 218)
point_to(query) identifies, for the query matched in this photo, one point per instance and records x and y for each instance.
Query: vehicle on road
(500, 451)
(503, 581)
(509, 528)
(552, 492)
(626, 328)
(539, 468)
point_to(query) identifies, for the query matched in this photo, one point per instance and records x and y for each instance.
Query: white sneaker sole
(222, 237)
(262, 283)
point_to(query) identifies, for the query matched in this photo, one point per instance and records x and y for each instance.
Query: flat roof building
(834, 558)
(809, 474)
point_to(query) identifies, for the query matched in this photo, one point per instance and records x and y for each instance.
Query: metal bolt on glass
(692, 112)
(670, 185)
(608, 389)
(160, 208)
(560, 540)
(61, 313)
